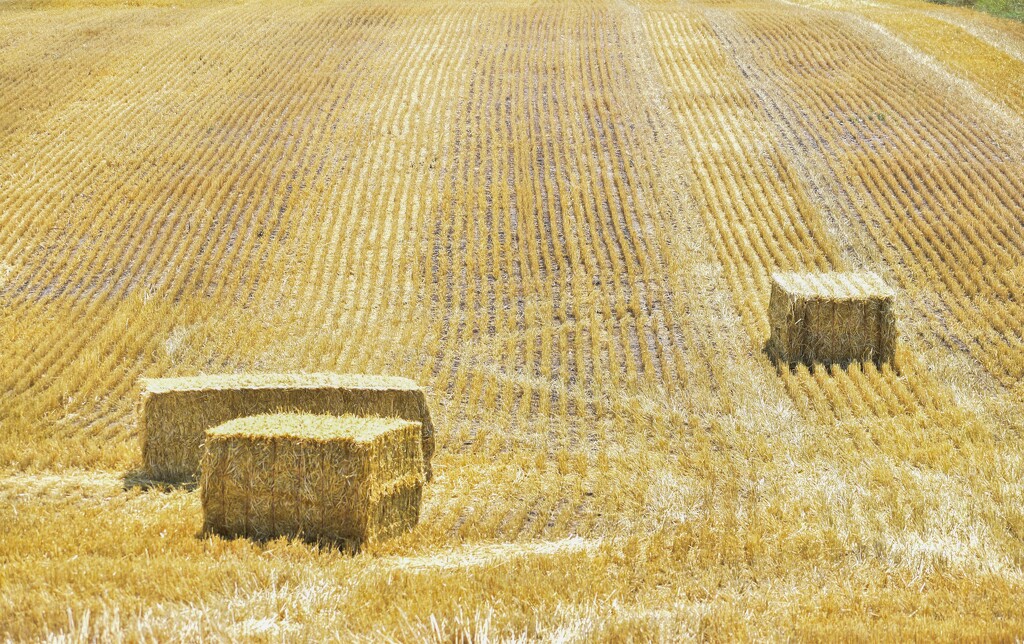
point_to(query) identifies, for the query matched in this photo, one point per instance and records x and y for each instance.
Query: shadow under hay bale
(347, 480)
(176, 412)
(140, 479)
(831, 318)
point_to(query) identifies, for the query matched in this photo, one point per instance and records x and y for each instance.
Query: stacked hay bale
(176, 412)
(831, 318)
(333, 478)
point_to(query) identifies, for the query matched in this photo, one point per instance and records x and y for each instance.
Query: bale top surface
(309, 427)
(861, 285)
(277, 381)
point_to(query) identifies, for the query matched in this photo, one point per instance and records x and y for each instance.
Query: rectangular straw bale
(831, 318)
(339, 478)
(176, 412)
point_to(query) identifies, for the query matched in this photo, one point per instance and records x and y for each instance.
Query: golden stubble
(561, 219)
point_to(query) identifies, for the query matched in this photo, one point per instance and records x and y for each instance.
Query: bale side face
(810, 325)
(395, 510)
(344, 489)
(176, 412)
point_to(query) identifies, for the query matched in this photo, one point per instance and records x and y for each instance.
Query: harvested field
(560, 219)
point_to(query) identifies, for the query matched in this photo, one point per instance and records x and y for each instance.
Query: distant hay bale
(344, 479)
(176, 412)
(831, 318)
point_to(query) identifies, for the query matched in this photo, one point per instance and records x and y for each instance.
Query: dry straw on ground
(342, 479)
(831, 318)
(177, 411)
(562, 217)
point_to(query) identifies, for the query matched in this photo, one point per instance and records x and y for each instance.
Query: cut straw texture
(344, 479)
(831, 318)
(176, 412)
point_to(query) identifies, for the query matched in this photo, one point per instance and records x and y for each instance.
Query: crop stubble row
(511, 239)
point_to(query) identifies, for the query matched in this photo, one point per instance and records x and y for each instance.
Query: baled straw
(831, 318)
(176, 412)
(345, 479)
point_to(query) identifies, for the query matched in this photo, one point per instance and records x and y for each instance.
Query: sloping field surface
(561, 218)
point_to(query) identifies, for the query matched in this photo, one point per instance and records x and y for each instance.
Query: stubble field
(561, 218)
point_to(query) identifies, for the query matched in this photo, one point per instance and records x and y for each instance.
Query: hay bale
(176, 412)
(343, 479)
(831, 318)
